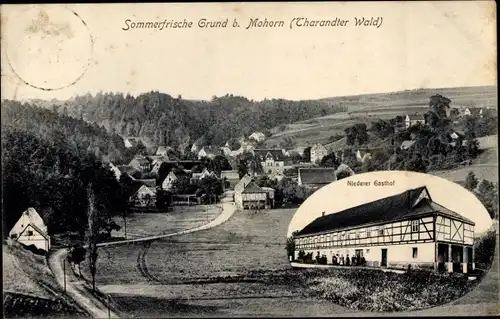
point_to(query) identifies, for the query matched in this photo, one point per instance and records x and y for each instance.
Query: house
(132, 141)
(414, 119)
(156, 164)
(162, 150)
(400, 231)
(363, 155)
(456, 135)
(407, 144)
(226, 150)
(168, 183)
(316, 177)
(272, 160)
(30, 229)
(255, 197)
(209, 152)
(318, 151)
(141, 163)
(240, 186)
(257, 136)
(144, 197)
(202, 175)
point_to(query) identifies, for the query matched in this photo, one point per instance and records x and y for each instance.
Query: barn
(407, 229)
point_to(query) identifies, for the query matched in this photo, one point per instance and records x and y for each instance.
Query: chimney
(323, 214)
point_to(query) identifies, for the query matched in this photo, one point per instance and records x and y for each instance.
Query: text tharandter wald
(253, 23)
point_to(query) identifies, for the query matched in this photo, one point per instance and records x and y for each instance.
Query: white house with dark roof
(414, 119)
(209, 152)
(272, 160)
(257, 136)
(30, 229)
(318, 151)
(168, 183)
(140, 163)
(144, 197)
(316, 177)
(249, 195)
(406, 229)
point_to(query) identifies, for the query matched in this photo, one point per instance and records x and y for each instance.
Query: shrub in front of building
(375, 290)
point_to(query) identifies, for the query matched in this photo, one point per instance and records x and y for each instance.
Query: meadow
(370, 107)
(240, 268)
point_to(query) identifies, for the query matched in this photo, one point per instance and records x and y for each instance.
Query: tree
(472, 147)
(439, 105)
(290, 245)
(307, 154)
(76, 256)
(487, 192)
(471, 181)
(242, 167)
(416, 163)
(92, 233)
(219, 163)
(329, 160)
(357, 134)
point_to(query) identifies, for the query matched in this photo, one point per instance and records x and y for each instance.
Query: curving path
(75, 288)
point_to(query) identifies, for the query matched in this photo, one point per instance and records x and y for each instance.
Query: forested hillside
(80, 136)
(47, 162)
(162, 119)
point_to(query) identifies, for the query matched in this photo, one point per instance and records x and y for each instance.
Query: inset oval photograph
(393, 241)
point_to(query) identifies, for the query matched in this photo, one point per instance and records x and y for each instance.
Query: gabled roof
(415, 117)
(253, 188)
(276, 154)
(318, 146)
(407, 144)
(244, 181)
(142, 160)
(127, 169)
(145, 189)
(317, 175)
(211, 150)
(37, 229)
(258, 135)
(399, 206)
(148, 182)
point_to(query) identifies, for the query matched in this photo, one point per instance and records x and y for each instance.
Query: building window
(415, 252)
(381, 232)
(29, 233)
(13, 236)
(368, 251)
(414, 226)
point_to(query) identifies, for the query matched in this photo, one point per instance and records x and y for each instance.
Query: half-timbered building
(407, 229)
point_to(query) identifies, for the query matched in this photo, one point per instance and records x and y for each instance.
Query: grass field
(177, 219)
(485, 166)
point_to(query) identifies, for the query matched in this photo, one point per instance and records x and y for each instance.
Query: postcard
(250, 159)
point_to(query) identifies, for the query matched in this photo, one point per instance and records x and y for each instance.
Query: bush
(374, 290)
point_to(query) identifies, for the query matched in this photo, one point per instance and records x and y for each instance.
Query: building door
(383, 263)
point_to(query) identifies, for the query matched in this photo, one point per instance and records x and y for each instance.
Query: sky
(337, 197)
(418, 45)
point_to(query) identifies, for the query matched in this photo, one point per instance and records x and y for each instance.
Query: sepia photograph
(249, 159)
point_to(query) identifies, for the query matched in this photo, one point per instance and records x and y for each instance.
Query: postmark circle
(48, 47)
